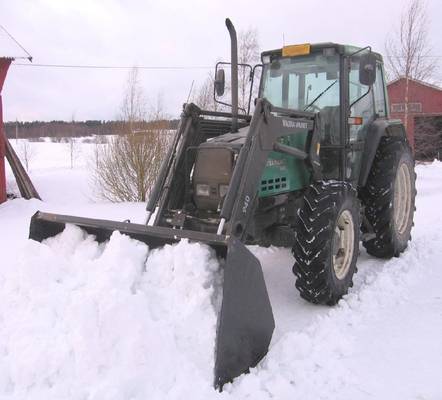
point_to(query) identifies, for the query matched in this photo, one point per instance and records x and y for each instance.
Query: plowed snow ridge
(87, 321)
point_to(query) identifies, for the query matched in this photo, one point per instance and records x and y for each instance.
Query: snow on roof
(416, 81)
(9, 48)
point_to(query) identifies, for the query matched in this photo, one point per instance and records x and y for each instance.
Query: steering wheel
(314, 107)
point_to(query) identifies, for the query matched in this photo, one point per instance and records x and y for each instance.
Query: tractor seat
(330, 125)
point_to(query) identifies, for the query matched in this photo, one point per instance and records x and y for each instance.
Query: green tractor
(318, 167)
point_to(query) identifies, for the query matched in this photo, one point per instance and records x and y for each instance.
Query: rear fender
(378, 128)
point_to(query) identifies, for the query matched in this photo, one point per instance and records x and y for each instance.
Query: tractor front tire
(389, 198)
(326, 242)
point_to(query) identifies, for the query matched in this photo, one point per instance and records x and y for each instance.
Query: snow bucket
(245, 321)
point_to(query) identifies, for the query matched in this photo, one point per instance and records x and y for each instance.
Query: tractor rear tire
(389, 198)
(326, 242)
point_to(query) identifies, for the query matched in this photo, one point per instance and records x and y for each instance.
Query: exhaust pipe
(234, 73)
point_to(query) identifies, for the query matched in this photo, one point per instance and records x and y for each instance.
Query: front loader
(318, 167)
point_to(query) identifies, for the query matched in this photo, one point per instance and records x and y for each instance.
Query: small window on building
(398, 107)
(415, 107)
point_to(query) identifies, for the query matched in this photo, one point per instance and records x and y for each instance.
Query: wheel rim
(402, 198)
(343, 244)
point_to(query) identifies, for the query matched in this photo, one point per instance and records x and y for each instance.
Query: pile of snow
(84, 320)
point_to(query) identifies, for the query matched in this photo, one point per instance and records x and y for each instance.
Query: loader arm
(169, 185)
(267, 126)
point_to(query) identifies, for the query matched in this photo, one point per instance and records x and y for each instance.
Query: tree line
(63, 129)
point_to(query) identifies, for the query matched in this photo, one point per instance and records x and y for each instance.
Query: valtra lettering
(286, 123)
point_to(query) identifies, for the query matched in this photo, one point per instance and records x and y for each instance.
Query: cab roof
(342, 49)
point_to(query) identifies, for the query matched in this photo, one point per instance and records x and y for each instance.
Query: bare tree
(99, 142)
(408, 49)
(133, 108)
(248, 53)
(204, 96)
(428, 144)
(126, 167)
(27, 152)
(74, 149)
(73, 145)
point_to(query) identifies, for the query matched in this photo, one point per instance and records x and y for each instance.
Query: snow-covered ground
(79, 320)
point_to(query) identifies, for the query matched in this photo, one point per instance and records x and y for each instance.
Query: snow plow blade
(245, 322)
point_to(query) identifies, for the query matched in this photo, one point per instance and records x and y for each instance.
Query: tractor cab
(336, 82)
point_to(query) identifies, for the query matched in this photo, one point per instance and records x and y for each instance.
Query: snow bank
(79, 320)
(83, 320)
(358, 349)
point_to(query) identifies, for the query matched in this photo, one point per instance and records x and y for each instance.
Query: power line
(148, 67)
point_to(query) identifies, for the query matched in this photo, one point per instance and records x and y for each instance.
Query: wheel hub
(402, 198)
(343, 243)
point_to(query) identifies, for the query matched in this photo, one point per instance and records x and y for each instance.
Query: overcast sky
(164, 33)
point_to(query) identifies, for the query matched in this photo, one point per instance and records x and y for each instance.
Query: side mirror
(367, 69)
(220, 82)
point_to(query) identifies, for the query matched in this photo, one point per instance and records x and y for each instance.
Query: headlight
(202, 190)
(223, 190)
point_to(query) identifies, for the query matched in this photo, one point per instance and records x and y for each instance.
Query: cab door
(380, 103)
(361, 115)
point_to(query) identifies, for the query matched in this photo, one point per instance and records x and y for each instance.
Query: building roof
(415, 81)
(9, 47)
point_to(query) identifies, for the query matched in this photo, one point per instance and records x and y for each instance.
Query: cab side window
(361, 100)
(379, 94)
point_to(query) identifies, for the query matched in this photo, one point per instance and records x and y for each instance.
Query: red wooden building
(424, 103)
(4, 65)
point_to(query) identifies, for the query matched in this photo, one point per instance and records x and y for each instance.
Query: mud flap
(245, 323)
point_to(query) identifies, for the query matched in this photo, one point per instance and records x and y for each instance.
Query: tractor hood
(231, 140)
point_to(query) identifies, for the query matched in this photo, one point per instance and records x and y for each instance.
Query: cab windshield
(309, 83)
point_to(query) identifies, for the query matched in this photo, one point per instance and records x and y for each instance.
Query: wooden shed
(4, 65)
(424, 110)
